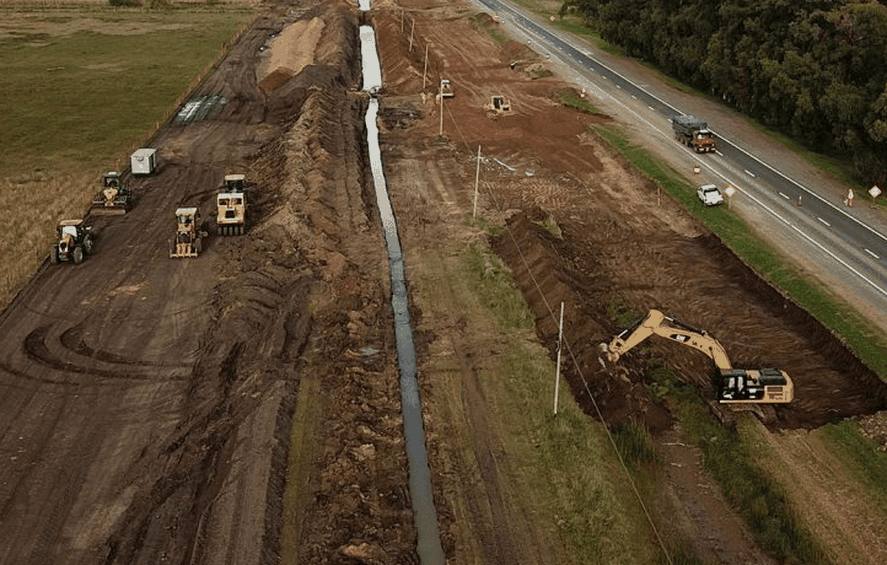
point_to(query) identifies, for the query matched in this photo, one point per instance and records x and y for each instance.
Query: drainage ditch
(421, 492)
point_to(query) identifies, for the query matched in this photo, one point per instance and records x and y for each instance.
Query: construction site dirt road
(149, 404)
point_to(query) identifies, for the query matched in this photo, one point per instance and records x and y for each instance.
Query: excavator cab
(768, 385)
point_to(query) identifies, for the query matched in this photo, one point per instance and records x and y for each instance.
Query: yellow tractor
(231, 206)
(75, 242)
(188, 241)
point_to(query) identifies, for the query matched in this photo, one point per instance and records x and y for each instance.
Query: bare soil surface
(148, 402)
(542, 167)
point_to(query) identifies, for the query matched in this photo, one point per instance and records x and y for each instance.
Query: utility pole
(425, 70)
(440, 95)
(560, 340)
(476, 182)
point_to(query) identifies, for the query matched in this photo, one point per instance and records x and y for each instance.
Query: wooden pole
(440, 95)
(412, 27)
(425, 70)
(476, 182)
(557, 377)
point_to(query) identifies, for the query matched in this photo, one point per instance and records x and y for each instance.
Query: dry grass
(35, 204)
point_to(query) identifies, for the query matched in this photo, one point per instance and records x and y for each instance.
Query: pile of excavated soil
(289, 53)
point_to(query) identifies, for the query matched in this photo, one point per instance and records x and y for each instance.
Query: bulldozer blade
(107, 211)
(182, 250)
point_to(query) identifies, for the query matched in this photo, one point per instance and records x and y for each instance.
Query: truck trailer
(693, 132)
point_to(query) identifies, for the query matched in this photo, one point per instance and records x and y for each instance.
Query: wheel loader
(114, 198)
(75, 242)
(231, 206)
(189, 236)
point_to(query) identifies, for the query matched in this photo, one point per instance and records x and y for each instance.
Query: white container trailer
(144, 161)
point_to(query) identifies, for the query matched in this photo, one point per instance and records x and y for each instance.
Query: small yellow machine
(231, 206)
(188, 241)
(499, 105)
(114, 198)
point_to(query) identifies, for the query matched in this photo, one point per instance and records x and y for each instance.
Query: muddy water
(421, 492)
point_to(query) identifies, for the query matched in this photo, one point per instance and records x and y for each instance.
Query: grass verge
(567, 98)
(490, 28)
(560, 472)
(751, 491)
(863, 458)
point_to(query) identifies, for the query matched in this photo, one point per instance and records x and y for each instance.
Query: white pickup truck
(710, 195)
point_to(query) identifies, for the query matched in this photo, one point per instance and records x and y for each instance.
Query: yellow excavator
(735, 386)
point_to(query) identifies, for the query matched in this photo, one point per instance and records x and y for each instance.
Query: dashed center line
(749, 173)
(823, 221)
(870, 252)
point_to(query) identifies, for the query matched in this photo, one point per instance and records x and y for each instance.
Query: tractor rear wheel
(78, 255)
(198, 245)
(54, 255)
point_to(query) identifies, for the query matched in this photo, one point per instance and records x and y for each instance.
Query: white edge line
(810, 239)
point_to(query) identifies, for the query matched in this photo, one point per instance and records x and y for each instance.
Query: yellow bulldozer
(498, 106)
(189, 236)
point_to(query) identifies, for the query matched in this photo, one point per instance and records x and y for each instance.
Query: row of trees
(813, 69)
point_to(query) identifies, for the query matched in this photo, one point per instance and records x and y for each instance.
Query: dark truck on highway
(693, 132)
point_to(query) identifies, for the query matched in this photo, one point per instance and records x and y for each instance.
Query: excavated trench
(762, 328)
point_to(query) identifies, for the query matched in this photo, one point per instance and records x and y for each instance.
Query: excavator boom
(767, 385)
